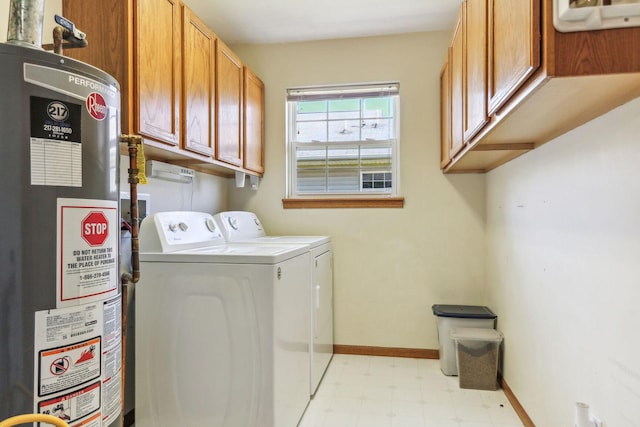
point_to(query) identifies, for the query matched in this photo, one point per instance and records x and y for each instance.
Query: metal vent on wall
(168, 172)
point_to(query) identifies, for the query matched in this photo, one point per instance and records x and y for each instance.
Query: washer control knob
(173, 227)
(211, 225)
(183, 226)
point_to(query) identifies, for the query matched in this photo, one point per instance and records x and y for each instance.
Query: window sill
(335, 203)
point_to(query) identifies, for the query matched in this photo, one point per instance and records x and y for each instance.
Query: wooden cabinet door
(475, 70)
(108, 24)
(158, 69)
(456, 64)
(229, 82)
(198, 61)
(445, 114)
(514, 47)
(253, 122)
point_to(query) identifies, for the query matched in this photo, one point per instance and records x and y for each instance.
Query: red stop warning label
(95, 228)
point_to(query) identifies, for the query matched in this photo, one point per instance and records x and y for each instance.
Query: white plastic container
(458, 316)
(478, 352)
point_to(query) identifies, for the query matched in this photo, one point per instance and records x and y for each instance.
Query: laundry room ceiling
(286, 21)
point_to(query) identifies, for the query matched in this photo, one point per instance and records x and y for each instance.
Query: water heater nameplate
(56, 125)
(56, 142)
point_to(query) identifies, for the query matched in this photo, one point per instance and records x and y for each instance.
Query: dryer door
(321, 318)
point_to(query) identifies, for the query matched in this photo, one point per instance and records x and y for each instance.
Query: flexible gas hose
(33, 418)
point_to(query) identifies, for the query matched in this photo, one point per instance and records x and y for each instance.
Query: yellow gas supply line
(33, 418)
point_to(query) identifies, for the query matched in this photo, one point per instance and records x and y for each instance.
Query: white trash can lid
(476, 334)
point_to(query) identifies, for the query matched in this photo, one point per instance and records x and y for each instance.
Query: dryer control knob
(173, 227)
(183, 226)
(233, 223)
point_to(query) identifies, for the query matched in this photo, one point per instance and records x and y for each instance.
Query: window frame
(362, 197)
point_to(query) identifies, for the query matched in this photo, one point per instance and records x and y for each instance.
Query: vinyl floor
(372, 391)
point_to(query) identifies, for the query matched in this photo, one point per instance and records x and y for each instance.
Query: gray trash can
(458, 316)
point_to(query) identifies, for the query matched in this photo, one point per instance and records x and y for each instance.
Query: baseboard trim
(522, 414)
(363, 350)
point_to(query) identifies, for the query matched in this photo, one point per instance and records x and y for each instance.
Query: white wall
(563, 268)
(207, 193)
(391, 265)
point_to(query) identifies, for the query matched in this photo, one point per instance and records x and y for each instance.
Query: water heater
(60, 305)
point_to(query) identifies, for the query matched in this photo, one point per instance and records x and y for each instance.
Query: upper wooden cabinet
(465, 79)
(514, 47)
(475, 68)
(229, 81)
(253, 122)
(157, 73)
(150, 28)
(182, 87)
(540, 83)
(445, 114)
(199, 71)
(456, 68)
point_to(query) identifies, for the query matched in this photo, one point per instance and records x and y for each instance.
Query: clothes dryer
(245, 227)
(221, 337)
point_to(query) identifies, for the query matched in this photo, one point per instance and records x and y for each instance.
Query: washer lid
(243, 226)
(312, 241)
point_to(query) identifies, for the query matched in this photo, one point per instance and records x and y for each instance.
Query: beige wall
(563, 265)
(51, 7)
(391, 265)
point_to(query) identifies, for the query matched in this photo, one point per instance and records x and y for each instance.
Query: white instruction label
(87, 263)
(78, 363)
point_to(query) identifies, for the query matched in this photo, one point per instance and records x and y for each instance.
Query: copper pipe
(60, 41)
(133, 142)
(57, 40)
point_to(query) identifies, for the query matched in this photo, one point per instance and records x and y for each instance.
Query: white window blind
(343, 140)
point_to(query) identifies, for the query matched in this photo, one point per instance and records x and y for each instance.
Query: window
(343, 141)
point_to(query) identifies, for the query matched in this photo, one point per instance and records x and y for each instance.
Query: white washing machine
(221, 338)
(242, 226)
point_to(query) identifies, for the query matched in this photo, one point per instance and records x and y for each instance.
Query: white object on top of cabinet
(581, 15)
